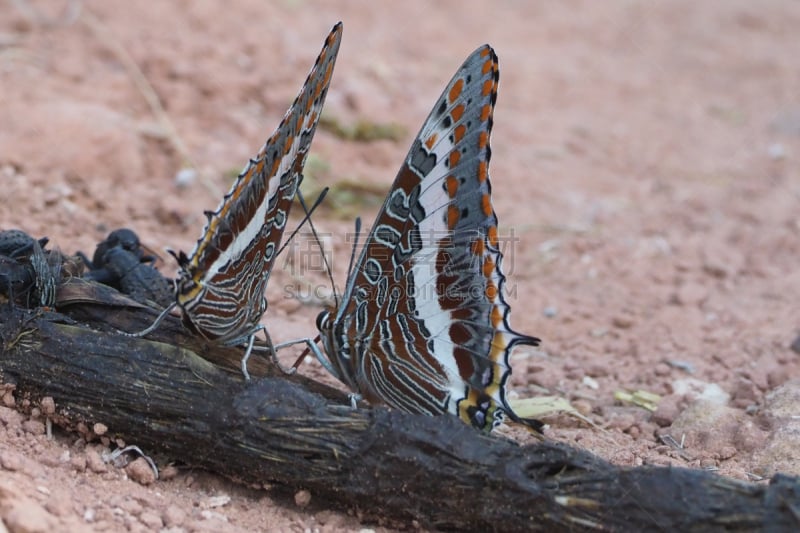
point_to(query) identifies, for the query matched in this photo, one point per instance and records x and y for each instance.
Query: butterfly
(423, 325)
(221, 283)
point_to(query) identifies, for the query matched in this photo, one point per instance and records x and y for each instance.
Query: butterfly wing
(221, 289)
(424, 322)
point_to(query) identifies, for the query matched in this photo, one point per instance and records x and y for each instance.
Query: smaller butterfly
(423, 324)
(221, 283)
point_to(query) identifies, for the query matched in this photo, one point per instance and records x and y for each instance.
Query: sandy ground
(645, 176)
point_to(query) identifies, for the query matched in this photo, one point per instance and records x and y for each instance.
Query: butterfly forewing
(222, 282)
(424, 321)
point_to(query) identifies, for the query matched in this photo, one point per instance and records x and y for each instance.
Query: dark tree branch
(175, 394)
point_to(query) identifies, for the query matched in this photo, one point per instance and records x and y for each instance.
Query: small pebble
(302, 498)
(667, 411)
(78, 463)
(590, 382)
(776, 151)
(173, 516)
(550, 311)
(727, 452)
(662, 369)
(100, 429)
(34, 427)
(597, 370)
(691, 294)
(583, 407)
(220, 500)
(212, 515)
(11, 418)
(48, 406)
(95, 462)
(622, 321)
(26, 515)
(11, 460)
(131, 506)
(708, 463)
(168, 472)
(622, 421)
(682, 365)
(140, 471)
(185, 177)
(59, 505)
(151, 520)
(8, 399)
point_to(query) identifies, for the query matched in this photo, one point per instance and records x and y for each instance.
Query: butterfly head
(336, 346)
(323, 321)
(325, 325)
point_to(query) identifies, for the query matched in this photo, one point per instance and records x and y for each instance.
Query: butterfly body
(423, 324)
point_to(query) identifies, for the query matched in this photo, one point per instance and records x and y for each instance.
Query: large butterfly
(423, 324)
(221, 283)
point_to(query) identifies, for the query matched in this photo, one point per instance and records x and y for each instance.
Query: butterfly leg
(273, 349)
(249, 349)
(159, 319)
(354, 399)
(311, 346)
(131, 448)
(251, 339)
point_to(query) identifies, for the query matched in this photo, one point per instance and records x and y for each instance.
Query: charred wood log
(177, 395)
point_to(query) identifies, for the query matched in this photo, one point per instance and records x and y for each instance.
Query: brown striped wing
(222, 282)
(424, 325)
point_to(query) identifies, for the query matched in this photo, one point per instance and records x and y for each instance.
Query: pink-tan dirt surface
(645, 174)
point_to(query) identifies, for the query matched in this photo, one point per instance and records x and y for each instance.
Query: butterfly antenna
(307, 218)
(328, 268)
(355, 245)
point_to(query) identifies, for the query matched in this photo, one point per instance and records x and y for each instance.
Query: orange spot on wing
(497, 318)
(487, 87)
(488, 267)
(485, 112)
(486, 68)
(459, 132)
(485, 51)
(492, 235)
(455, 157)
(491, 291)
(455, 90)
(457, 112)
(483, 140)
(275, 165)
(486, 203)
(431, 141)
(499, 343)
(452, 186)
(483, 172)
(452, 216)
